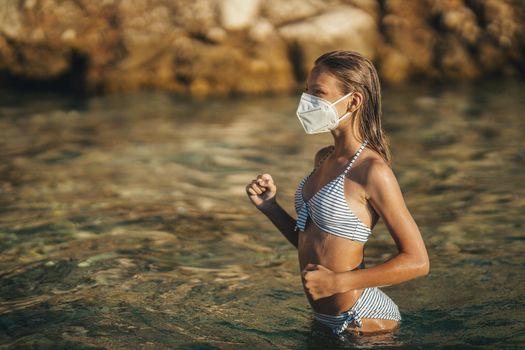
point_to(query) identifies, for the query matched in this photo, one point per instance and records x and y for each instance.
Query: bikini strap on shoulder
(357, 153)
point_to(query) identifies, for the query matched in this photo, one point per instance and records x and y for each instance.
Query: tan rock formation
(222, 47)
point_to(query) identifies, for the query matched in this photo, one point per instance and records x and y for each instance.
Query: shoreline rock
(223, 47)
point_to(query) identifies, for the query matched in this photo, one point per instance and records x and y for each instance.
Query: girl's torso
(334, 223)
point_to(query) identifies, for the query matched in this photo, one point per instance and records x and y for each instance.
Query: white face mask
(318, 115)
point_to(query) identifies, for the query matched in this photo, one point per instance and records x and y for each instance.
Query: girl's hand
(319, 281)
(262, 191)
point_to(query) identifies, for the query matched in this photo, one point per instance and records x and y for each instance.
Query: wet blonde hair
(357, 73)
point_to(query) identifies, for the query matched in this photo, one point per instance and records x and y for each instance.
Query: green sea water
(124, 223)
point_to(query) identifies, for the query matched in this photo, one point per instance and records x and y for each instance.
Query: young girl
(338, 204)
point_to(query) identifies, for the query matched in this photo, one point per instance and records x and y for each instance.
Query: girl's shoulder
(378, 174)
(322, 154)
(369, 163)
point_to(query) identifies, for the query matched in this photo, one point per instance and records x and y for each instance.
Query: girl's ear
(356, 100)
(351, 103)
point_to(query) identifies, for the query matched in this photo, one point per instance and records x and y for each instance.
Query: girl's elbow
(418, 266)
(422, 267)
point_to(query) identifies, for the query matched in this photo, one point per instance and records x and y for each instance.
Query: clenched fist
(262, 191)
(319, 281)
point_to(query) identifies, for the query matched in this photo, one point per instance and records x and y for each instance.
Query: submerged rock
(221, 47)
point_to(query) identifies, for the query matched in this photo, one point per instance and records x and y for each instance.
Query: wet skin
(337, 253)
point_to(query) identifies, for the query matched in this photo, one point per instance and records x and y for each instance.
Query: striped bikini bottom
(372, 303)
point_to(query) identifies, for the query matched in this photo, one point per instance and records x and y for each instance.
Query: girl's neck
(345, 142)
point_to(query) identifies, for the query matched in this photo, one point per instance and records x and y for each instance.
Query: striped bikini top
(329, 209)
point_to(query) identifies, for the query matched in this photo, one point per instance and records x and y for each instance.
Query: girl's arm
(412, 260)
(261, 192)
(282, 220)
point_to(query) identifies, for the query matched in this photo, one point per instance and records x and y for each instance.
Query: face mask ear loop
(344, 116)
(341, 98)
(347, 113)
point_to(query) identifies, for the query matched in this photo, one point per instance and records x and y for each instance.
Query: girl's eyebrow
(317, 86)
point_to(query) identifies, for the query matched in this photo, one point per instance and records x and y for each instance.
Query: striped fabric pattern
(328, 208)
(372, 303)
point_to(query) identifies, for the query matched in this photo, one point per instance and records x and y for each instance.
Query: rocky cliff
(221, 47)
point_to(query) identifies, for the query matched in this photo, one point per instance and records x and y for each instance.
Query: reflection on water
(124, 222)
